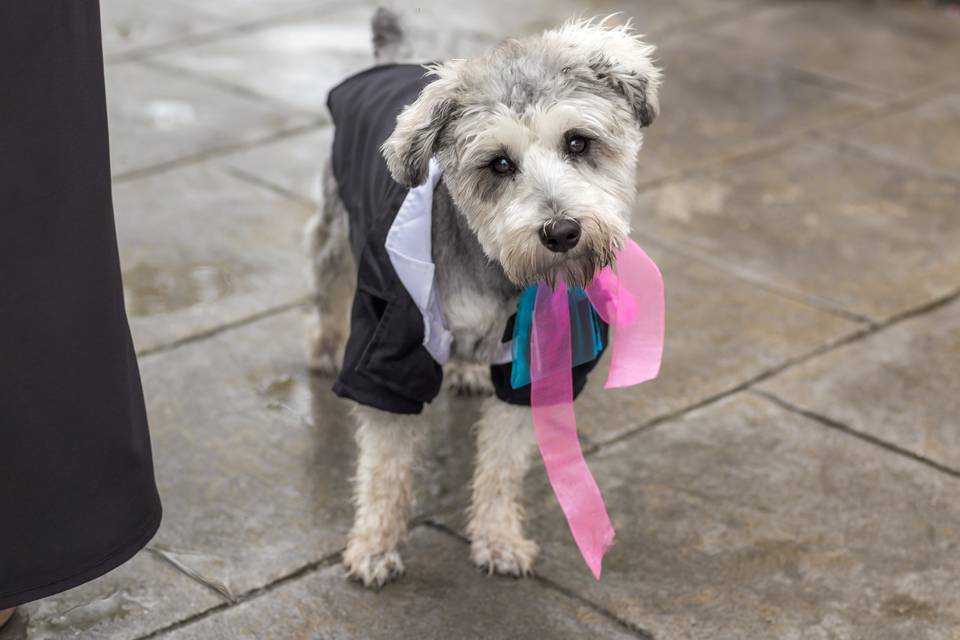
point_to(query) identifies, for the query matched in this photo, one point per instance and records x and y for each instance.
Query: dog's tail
(388, 40)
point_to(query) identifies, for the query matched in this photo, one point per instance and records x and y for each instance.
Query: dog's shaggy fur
(524, 101)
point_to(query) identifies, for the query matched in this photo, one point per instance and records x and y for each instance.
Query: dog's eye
(577, 145)
(502, 165)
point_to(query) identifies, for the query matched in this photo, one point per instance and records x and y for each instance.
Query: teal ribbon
(586, 337)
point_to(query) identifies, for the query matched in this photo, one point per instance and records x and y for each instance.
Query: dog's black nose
(560, 236)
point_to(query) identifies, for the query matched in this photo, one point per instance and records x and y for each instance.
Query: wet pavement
(793, 473)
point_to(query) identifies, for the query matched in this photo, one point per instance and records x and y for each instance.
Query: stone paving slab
(131, 601)
(926, 136)
(252, 10)
(721, 331)
(889, 49)
(743, 520)
(295, 63)
(299, 61)
(157, 117)
(654, 17)
(837, 227)
(899, 385)
(200, 248)
(294, 165)
(437, 28)
(721, 99)
(443, 596)
(254, 467)
(128, 26)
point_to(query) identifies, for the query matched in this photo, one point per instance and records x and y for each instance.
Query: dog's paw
(373, 569)
(505, 557)
(468, 379)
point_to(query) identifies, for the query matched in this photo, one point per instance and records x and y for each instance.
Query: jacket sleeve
(385, 364)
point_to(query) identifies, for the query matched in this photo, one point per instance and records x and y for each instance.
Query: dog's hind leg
(388, 448)
(334, 276)
(504, 444)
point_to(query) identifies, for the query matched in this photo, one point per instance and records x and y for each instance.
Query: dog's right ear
(419, 127)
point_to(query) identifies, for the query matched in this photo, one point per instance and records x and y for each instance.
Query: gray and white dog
(538, 144)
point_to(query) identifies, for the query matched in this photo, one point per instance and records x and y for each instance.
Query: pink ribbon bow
(630, 301)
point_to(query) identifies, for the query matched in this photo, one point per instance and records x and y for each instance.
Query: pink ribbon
(630, 301)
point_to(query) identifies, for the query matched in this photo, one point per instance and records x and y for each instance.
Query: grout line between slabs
(208, 154)
(595, 447)
(745, 275)
(273, 187)
(225, 327)
(229, 87)
(826, 128)
(888, 157)
(641, 633)
(863, 332)
(764, 148)
(253, 594)
(638, 631)
(850, 431)
(834, 84)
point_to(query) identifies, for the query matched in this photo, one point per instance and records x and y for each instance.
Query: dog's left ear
(620, 60)
(419, 128)
(640, 89)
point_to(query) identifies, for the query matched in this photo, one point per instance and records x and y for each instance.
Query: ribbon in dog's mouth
(557, 328)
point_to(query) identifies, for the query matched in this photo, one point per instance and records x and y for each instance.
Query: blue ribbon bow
(585, 334)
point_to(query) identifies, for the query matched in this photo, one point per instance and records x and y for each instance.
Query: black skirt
(77, 491)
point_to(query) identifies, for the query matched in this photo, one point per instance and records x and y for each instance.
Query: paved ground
(795, 471)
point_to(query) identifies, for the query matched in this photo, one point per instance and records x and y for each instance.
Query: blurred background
(793, 473)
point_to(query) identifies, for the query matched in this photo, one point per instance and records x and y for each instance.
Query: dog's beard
(510, 235)
(529, 262)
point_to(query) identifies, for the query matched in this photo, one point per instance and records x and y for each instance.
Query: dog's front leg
(504, 444)
(388, 447)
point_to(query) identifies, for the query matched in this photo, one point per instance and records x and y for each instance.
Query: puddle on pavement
(50, 622)
(278, 387)
(170, 115)
(280, 390)
(903, 605)
(152, 291)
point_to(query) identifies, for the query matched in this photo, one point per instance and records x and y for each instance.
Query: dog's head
(538, 141)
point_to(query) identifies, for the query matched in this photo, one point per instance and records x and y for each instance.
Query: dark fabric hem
(102, 566)
(383, 400)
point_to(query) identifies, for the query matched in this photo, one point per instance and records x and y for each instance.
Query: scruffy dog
(522, 163)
